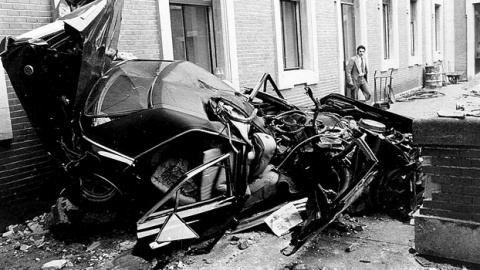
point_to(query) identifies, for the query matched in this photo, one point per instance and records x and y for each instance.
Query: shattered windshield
(139, 85)
(123, 90)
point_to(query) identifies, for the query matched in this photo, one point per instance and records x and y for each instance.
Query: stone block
(449, 238)
(447, 131)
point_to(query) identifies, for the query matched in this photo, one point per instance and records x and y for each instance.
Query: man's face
(361, 52)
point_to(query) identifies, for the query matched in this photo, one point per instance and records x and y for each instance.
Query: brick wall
(451, 151)
(327, 42)
(254, 23)
(374, 38)
(454, 175)
(405, 77)
(140, 33)
(26, 171)
(448, 223)
(256, 47)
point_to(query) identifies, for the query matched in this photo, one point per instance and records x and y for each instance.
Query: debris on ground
(112, 249)
(243, 245)
(345, 225)
(56, 264)
(93, 246)
(55, 240)
(284, 219)
(126, 245)
(351, 248)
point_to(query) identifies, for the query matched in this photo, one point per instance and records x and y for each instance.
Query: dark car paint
(53, 67)
(180, 103)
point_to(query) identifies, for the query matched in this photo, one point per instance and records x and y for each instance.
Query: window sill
(388, 64)
(437, 56)
(288, 79)
(414, 61)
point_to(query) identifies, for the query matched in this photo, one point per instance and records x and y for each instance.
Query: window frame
(438, 29)
(413, 27)
(209, 25)
(393, 40)
(224, 35)
(415, 38)
(308, 73)
(386, 29)
(297, 35)
(6, 131)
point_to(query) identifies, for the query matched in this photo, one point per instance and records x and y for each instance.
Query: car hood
(92, 32)
(53, 68)
(139, 104)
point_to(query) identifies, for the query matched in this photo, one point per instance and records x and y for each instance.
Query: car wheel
(91, 191)
(96, 189)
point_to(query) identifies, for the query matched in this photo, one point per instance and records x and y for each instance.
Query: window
(296, 43)
(292, 35)
(413, 27)
(200, 31)
(415, 33)
(387, 22)
(437, 28)
(191, 28)
(436, 34)
(388, 15)
(348, 28)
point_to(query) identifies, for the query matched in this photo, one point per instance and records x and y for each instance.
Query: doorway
(348, 34)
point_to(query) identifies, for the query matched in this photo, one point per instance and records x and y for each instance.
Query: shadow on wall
(17, 208)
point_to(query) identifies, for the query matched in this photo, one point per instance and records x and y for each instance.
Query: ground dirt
(366, 242)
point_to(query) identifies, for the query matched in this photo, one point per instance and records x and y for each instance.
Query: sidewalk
(425, 108)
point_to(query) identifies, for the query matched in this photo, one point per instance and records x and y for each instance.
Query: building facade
(298, 42)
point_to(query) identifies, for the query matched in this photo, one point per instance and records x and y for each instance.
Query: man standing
(356, 74)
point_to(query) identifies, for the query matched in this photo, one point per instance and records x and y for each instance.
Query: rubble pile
(35, 239)
(36, 226)
(345, 225)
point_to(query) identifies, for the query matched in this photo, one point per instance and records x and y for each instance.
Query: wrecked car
(197, 154)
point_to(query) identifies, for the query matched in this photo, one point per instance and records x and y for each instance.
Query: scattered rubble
(126, 245)
(61, 239)
(297, 265)
(56, 264)
(111, 251)
(94, 245)
(351, 248)
(243, 245)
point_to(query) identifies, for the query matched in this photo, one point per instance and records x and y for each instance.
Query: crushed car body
(199, 156)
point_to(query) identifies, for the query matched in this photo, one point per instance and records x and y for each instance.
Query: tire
(96, 189)
(92, 191)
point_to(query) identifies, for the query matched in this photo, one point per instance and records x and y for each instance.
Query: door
(348, 35)
(181, 215)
